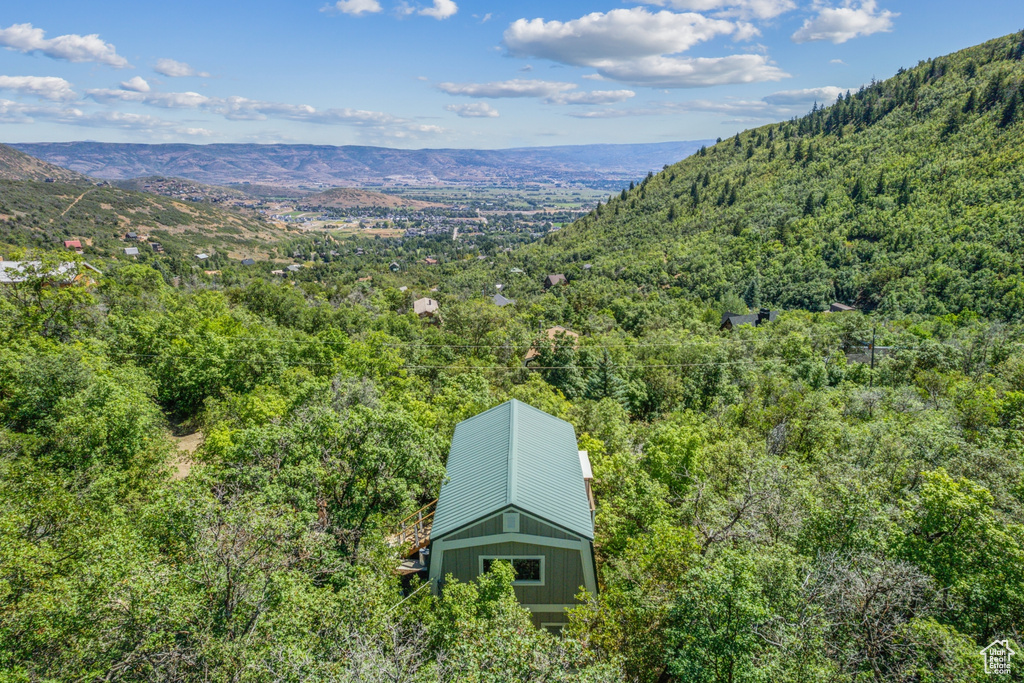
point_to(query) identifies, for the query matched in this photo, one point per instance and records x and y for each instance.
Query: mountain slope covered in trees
(905, 196)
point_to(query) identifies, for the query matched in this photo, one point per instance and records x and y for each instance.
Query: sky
(454, 73)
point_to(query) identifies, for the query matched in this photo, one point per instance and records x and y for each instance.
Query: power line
(300, 363)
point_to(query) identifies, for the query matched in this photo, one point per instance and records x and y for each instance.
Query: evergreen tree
(858, 192)
(971, 103)
(1010, 111)
(752, 295)
(809, 204)
(903, 198)
(604, 382)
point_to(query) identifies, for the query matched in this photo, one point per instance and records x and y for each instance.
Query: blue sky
(454, 73)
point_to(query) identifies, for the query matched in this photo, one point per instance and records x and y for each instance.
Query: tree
(604, 382)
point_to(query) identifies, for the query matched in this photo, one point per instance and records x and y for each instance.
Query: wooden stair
(414, 530)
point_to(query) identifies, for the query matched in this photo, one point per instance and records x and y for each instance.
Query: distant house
(836, 307)
(131, 251)
(430, 261)
(500, 301)
(294, 268)
(394, 267)
(202, 257)
(73, 244)
(156, 247)
(131, 237)
(403, 289)
(248, 262)
(277, 272)
(587, 266)
(554, 279)
(552, 333)
(516, 491)
(516, 271)
(425, 307)
(731, 321)
(359, 251)
(368, 278)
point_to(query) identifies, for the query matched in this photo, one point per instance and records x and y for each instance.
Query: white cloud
(641, 48)
(236, 108)
(840, 24)
(15, 112)
(442, 9)
(47, 87)
(592, 97)
(701, 72)
(175, 69)
(135, 84)
(779, 105)
(476, 110)
(616, 35)
(747, 9)
(836, 61)
(515, 88)
(745, 31)
(26, 38)
(354, 7)
(552, 92)
(168, 100)
(824, 95)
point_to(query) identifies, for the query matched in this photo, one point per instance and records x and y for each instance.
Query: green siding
(513, 455)
(563, 570)
(527, 525)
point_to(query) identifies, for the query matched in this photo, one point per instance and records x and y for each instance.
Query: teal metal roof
(514, 455)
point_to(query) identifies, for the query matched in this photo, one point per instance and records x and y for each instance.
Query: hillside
(41, 213)
(905, 196)
(16, 165)
(353, 166)
(348, 198)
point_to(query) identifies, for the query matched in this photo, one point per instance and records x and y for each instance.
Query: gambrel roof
(514, 455)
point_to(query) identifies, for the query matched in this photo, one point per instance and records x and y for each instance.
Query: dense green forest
(771, 505)
(905, 196)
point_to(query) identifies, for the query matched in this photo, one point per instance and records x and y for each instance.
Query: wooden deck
(414, 530)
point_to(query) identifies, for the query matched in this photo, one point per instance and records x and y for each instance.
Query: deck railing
(415, 529)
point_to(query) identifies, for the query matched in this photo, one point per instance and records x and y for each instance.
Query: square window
(529, 570)
(510, 522)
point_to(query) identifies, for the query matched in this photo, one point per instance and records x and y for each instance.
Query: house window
(510, 522)
(529, 570)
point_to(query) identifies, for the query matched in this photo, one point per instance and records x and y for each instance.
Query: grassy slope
(38, 214)
(348, 197)
(943, 234)
(16, 165)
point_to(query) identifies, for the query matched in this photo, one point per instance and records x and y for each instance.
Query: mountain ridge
(361, 166)
(905, 196)
(17, 165)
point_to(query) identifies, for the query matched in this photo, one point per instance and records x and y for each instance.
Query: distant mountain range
(353, 166)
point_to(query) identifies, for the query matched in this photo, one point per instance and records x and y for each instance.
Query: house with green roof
(516, 491)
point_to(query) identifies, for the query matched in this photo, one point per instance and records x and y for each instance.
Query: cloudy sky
(454, 73)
